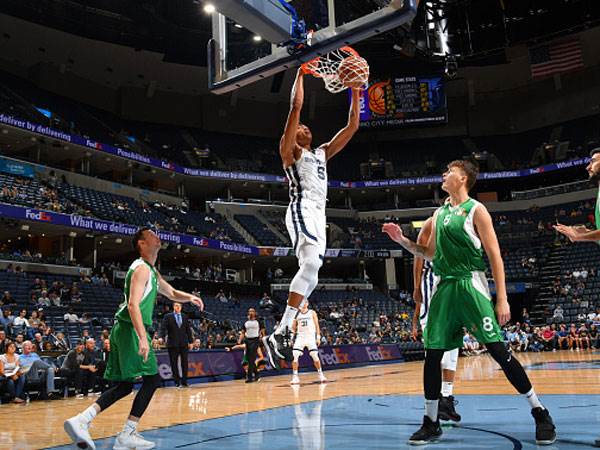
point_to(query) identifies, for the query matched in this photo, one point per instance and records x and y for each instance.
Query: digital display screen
(404, 101)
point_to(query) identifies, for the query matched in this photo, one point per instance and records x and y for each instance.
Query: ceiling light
(257, 38)
(209, 8)
(237, 25)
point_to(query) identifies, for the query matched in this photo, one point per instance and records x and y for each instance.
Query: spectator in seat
(558, 314)
(75, 295)
(573, 338)
(21, 324)
(221, 297)
(584, 337)
(70, 366)
(89, 369)
(43, 301)
(71, 317)
(11, 375)
(549, 338)
(266, 303)
(37, 371)
(38, 343)
(562, 337)
(3, 342)
(34, 320)
(19, 339)
(593, 336)
(7, 299)
(6, 319)
(60, 343)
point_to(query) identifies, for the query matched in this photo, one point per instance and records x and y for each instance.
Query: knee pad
(314, 355)
(307, 277)
(450, 360)
(297, 354)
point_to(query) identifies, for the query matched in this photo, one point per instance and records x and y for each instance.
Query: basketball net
(327, 67)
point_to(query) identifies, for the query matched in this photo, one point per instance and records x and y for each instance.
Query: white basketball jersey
(308, 177)
(306, 324)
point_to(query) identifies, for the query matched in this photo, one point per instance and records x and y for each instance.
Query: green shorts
(458, 303)
(124, 363)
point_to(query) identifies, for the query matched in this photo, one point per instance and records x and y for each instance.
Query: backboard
(238, 56)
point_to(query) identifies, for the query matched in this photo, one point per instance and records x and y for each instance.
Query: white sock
(320, 370)
(89, 414)
(533, 399)
(286, 321)
(130, 426)
(447, 388)
(431, 409)
(296, 372)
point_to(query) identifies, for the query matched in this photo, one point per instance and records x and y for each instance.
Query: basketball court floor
(375, 407)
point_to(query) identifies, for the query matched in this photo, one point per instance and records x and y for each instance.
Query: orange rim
(306, 66)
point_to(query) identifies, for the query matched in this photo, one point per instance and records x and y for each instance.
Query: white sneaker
(323, 379)
(132, 441)
(78, 430)
(295, 380)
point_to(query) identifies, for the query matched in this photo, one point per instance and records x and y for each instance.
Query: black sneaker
(545, 433)
(446, 409)
(429, 432)
(270, 350)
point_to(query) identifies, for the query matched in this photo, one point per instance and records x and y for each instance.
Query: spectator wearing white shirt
(71, 317)
(558, 313)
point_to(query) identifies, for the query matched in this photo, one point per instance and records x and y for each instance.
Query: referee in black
(250, 336)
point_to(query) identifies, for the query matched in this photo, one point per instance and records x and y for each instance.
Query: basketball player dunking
(461, 230)
(425, 282)
(308, 335)
(306, 169)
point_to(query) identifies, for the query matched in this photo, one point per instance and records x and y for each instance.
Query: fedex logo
(337, 357)
(378, 354)
(38, 215)
(200, 242)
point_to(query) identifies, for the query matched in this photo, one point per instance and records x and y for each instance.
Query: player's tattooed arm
(395, 233)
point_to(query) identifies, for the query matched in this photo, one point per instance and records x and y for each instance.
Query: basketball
(377, 97)
(354, 72)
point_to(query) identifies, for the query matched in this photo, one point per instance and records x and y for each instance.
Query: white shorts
(302, 342)
(429, 283)
(306, 225)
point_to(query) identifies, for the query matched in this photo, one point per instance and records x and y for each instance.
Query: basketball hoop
(340, 69)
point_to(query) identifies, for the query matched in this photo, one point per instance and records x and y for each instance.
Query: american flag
(556, 57)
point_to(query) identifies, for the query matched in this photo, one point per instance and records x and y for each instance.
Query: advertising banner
(261, 177)
(208, 363)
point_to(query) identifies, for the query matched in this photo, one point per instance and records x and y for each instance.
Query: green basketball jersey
(148, 299)
(458, 250)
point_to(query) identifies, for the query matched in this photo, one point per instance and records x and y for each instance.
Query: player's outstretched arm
(578, 234)
(178, 296)
(489, 240)
(341, 139)
(424, 251)
(288, 140)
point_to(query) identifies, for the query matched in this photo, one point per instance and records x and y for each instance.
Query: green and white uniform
(462, 297)
(124, 363)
